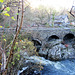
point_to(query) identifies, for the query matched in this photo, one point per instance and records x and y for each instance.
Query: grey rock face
(59, 52)
(43, 52)
(54, 50)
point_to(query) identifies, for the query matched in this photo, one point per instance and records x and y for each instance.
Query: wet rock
(30, 67)
(52, 43)
(43, 52)
(28, 71)
(60, 52)
(73, 44)
(54, 50)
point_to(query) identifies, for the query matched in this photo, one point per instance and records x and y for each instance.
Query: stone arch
(68, 38)
(37, 44)
(53, 37)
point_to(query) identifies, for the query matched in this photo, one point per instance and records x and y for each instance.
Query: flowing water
(65, 67)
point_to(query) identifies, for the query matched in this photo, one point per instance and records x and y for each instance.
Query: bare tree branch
(71, 11)
(14, 41)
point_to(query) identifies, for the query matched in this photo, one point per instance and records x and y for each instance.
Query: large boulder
(43, 52)
(48, 45)
(60, 52)
(54, 50)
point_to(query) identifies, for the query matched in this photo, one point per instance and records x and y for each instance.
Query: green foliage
(8, 8)
(53, 18)
(17, 14)
(26, 46)
(8, 38)
(24, 35)
(6, 14)
(13, 18)
(1, 1)
(4, 39)
(0, 26)
(21, 47)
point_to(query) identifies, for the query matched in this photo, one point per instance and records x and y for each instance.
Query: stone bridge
(41, 35)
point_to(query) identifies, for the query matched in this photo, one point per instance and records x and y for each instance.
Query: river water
(64, 67)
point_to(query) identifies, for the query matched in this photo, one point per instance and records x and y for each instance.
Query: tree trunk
(14, 41)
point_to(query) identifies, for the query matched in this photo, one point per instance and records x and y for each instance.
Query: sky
(57, 4)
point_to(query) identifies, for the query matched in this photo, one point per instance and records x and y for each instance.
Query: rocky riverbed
(64, 67)
(57, 57)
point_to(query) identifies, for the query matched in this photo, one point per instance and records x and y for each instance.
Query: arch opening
(53, 37)
(37, 44)
(68, 38)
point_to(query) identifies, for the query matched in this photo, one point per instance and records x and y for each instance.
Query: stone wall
(43, 34)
